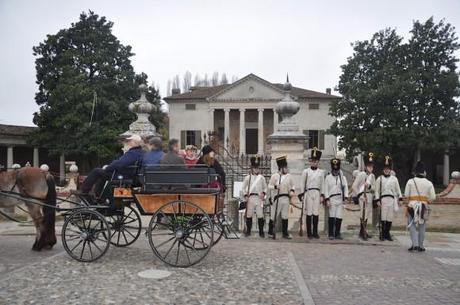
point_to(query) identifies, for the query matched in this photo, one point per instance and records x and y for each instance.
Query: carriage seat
(178, 179)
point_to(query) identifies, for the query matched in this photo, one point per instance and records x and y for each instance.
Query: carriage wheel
(125, 228)
(218, 227)
(180, 233)
(84, 235)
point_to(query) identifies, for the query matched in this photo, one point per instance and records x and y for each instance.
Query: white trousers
(336, 207)
(387, 206)
(312, 202)
(283, 208)
(368, 212)
(255, 203)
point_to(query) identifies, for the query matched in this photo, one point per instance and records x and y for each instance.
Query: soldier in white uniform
(281, 186)
(388, 195)
(419, 192)
(364, 187)
(335, 194)
(311, 187)
(255, 189)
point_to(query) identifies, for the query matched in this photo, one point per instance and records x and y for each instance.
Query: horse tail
(49, 213)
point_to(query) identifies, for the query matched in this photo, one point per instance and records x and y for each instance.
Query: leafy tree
(400, 97)
(86, 82)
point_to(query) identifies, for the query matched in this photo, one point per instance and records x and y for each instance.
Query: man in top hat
(311, 187)
(255, 189)
(388, 194)
(419, 192)
(281, 186)
(364, 187)
(335, 194)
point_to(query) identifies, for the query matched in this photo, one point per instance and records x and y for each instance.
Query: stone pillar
(446, 168)
(62, 168)
(9, 158)
(226, 127)
(211, 119)
(260, 129)
(242, 132)
(36, 162)
(275, 120)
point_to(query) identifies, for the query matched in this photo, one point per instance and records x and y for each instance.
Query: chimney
(328, 91)
(175, 91)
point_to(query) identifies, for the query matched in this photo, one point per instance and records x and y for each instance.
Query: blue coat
(123, 166)
(152, 158)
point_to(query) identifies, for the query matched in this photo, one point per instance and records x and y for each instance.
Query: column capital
(260, 109)
(211, 109)
(242, 109)
(227, 109)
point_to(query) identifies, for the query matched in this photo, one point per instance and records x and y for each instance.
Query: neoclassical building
(242, 114)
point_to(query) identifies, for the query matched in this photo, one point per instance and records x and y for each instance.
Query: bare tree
(223, 79)
(176, 82)
(187, 83)
(234, 78)
(168, 87)
(215, 79)
(206, 80)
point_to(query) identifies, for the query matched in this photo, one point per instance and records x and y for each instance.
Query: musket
(363, 220)
(247, 202)
(276, 207)
(301, 211)
(380, 210)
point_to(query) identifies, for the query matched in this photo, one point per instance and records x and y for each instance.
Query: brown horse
(31, 182)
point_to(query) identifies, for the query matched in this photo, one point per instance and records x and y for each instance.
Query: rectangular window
(315, 139)
(313, 106)
(190, 137)
(190, 106)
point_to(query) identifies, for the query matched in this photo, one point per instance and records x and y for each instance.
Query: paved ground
(245, 271)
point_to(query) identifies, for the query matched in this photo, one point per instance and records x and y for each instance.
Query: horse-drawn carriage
(186, 215)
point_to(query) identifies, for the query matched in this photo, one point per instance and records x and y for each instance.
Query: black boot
(285, 229)
(309, 234)
(362, 232)
(248, 227)
(315, 226)
(338, 224)
(383, 230)
(331, 227)
(388, 237)
(261, 227)
(270, 228)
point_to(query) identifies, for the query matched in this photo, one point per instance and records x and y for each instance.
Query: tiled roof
(205, 92)
(13, 130)
(198, 93)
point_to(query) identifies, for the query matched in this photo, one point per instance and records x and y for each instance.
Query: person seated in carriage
(133, 153)
(154, 153)
(208, 159)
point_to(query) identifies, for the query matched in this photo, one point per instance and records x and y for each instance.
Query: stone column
(260, 129)
(9, 158)
(62, 168)
(242, 132)
(446, 168)
(36, 162)
(275, 120)
(226, 127)
(211, 119)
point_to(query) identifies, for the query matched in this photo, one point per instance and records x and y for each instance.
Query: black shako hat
(369, 158)
(387, 162)
(335, 163)
(315, 154)
(281, 162)
(420, 168)
(255, 161)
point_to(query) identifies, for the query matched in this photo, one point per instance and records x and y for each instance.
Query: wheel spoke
(127, 231)
(83, 250)
(178, 250)
(94, 243)
(90, 250)
(170, 249)
(188, 257)
(76, 245)
(124, 236)
(165, 242)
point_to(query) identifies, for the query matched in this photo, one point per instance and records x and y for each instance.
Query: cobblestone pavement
(245, 271)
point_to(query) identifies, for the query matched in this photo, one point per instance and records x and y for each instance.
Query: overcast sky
(307, 39)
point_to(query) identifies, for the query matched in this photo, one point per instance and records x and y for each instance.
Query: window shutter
(321, 139)
(307, 141)
(183, 135)
(198, 138)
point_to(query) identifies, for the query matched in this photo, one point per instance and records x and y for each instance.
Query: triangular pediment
(250, 87)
